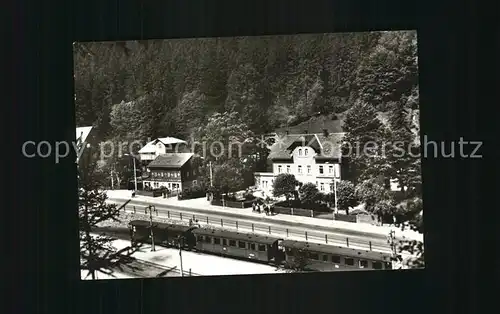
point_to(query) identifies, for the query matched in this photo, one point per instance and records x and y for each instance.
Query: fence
(232, 204)
(168, 271)
(334, 239)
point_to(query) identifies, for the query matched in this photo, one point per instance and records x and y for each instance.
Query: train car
(240, 245)
(323, 257)
(169, 235)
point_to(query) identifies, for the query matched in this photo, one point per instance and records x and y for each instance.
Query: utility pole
(335, 195)
(151, 208)
(180, 241)
(211, 177)
(135, 172)
(391, 240)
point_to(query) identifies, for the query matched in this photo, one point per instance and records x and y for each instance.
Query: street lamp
(151, 208)
(135, 172)
(391, 241)
(180, 240)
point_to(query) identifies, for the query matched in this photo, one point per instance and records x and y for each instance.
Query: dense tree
(346, 195)
(364, 143)
(96, 251)
(309, 195)
(298, 263)
(285, 184)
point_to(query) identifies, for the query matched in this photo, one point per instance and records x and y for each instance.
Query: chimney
(325, 132)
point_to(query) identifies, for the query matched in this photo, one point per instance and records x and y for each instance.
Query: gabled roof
(327, 146)
(170, 160)
(150, 147)
(82, 133)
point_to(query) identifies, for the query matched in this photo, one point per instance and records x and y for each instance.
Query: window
(349, 261)
(300, 169)
(325, 258)
(242, 245)
(336, 259)
(289, 252)
(200, 238)
(216, 241)
(321, 169)
(322, 186)
(336, 170)
(252, 246)
(314, 256)
(279, 169)
(232, 242)
(262, 247)
(300, 152)
(330, 169)
(195, 182)
(376, 265)
(363, 263)
(208, 239)
(308, 169)
(287, 169)
(306, 151)
(224, 242)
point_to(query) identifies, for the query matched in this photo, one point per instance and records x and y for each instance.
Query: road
(354, 239)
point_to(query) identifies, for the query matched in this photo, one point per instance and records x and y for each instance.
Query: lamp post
(135, 172)
(180, 241)
(335, 195)
(391, 241)
(151, 208)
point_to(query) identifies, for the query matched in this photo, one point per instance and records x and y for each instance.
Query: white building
(160, 146)
(311, 158)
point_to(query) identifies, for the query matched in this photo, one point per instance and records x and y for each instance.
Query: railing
(333, 239)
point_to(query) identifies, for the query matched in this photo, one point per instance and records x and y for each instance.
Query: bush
(193, 192)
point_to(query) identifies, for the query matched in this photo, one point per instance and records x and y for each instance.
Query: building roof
(161, 225)
(337, 250)
(327, 147)
(235, 235)
(170, 160)
(82, 133)
(150, 147)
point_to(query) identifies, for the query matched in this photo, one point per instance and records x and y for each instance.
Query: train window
(349, 261)
(314, 256)
(262, 247)
(289, 252)
(208, 239)
(376, 265)
(216, 241)
(232, 242)
(224, 242)
(363, 263)
(252, 246)
(325, 258)
(200, 238)
(336, 259)
(242, 245)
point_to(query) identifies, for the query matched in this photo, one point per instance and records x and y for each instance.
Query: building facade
(162, 145)
(174, 171)
(311, 158)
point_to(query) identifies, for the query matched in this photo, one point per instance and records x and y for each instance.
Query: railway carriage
(234, 244)
(329, 258)
(320, 257)
(168, 235)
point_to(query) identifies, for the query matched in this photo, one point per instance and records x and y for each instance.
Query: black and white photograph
(248, 155)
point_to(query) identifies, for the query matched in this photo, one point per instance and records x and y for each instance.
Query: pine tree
(364, 143)
(96, 251)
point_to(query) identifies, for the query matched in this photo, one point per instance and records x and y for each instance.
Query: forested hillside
(136, 90)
